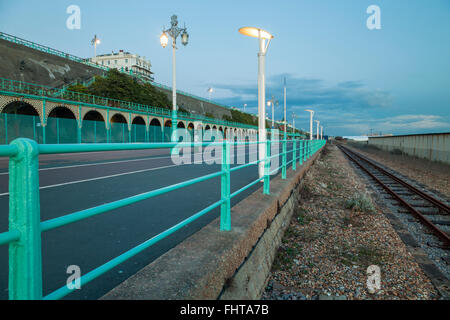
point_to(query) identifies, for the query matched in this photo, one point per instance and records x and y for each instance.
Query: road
(73, 182)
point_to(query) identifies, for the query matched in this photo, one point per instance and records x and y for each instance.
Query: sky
(390, 80)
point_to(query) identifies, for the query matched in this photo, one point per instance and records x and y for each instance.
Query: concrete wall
(435, 147)
(222, 265)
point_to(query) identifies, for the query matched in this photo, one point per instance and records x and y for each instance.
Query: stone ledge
(204, 264)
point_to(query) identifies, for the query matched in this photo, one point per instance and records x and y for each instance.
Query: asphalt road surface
(73, 182)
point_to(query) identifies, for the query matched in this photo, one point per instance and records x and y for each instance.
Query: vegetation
(117, 85)
(241, 117)
(360, 203)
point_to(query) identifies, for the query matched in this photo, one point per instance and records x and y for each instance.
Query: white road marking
(115, 175)
(98, 163)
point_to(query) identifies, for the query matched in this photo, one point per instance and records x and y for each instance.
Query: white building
(126, 62)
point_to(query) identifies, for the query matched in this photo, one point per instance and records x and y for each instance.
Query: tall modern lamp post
(95, 42)
(318, 124)
(174, 32)
(310, 123)
(285, 120)
(264, 38)
(272, 103)
(293, 122)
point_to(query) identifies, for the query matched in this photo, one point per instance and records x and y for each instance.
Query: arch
(207, 127)
(36, 104)
(21, 120)
(118, 118)
(167, 130)
(143, 117)
(93, 115)
(138, 120)
(62, 126)
(191, 126)
(119, 128)
(138, 129)
(155, 131)
(181, 125)
(20, 107)
(62, 112)
(91, 131)
(50, 106)
(156, 122)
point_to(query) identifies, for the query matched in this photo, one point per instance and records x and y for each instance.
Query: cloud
(345, 108)
(310, 92)
(407, 123)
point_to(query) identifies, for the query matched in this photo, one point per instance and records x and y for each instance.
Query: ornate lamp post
(264, 38)
(174, 31)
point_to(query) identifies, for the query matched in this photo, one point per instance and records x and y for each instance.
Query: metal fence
(72, 96)
(26, 228)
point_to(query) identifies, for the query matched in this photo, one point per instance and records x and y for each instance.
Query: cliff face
(196, 106)
(18, 62)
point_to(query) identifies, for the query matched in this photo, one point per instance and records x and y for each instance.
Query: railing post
(267, 163)
(6, 128)
(44, 123)
(225, 207)
(294, 154)
(283, 170)
(25, 261)
(57, 130)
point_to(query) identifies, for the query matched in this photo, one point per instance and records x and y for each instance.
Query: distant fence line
(434, 147)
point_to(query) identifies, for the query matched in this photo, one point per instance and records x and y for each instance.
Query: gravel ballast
(336, 233)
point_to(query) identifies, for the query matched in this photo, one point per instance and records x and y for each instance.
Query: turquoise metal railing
(26, 228)
(20, 87)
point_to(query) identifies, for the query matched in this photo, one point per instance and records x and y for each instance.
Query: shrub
(361, 203)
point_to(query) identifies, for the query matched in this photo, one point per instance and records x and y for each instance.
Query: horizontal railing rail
(26, 228)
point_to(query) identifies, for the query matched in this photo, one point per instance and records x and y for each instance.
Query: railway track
(431, 212)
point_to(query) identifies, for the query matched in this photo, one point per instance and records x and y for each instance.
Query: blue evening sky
(393, 80)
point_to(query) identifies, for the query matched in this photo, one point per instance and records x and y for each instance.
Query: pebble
(334, 257)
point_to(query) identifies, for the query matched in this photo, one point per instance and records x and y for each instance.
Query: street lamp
(210, 91)
(285, 120)
(272, 103)
(310, 123)
(264, 38)
(95, 42)
(174, 32)
(318, 123)
(321, 132)
(293, 122)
